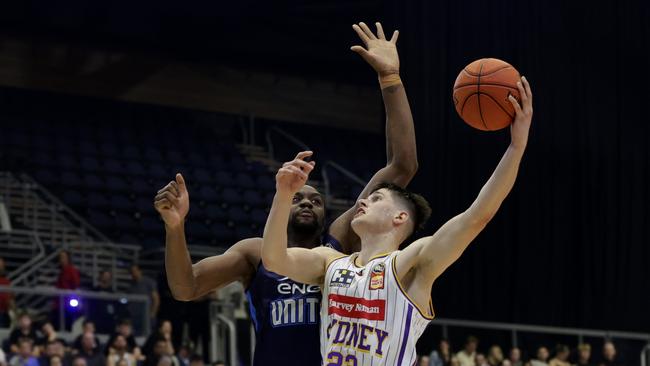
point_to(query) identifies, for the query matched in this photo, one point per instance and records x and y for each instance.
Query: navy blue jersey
(286, 316)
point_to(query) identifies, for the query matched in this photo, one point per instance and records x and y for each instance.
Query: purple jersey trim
(406, 335)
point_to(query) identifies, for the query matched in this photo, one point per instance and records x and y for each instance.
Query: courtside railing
(72, 304)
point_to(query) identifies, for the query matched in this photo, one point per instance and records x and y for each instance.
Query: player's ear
(401, 218)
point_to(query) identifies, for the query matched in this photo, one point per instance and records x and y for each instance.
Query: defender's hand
(173, 202)
(294, 174)
(380, 53)
(524, 114)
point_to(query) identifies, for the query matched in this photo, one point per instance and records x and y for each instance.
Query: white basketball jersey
(366, 316)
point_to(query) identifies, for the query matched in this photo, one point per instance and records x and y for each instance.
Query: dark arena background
(102, 103)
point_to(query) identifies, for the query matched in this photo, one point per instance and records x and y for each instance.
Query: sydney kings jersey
(366, 316)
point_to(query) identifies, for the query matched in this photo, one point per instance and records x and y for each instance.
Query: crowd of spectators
(563, 355)
(31, 345)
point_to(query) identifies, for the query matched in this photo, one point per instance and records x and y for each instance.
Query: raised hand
(293, 174)
(524, 114)
(173, 202)
(380, 53)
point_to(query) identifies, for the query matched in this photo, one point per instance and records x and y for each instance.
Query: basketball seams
(475, 75)
(496, 102)
(470, 73)
(478, 90)
(461, 86)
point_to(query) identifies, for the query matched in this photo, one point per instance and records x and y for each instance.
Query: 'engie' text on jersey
(297, 310)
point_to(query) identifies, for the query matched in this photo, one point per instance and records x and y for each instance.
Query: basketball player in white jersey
(377, 302)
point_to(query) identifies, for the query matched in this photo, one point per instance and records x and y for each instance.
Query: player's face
(307, 210)
(377, 213)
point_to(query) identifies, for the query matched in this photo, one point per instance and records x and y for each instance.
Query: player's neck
(302, 240)
(375, 244)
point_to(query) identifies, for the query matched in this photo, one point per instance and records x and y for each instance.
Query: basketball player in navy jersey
(377, 302)
(286, 313)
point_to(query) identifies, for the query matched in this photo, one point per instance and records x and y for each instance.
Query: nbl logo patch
(377, 277)
(342, 278)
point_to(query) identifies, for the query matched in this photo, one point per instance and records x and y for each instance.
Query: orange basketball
(481, 94)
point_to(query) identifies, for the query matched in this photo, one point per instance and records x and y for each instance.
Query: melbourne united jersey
(367, 317)
(286, 316)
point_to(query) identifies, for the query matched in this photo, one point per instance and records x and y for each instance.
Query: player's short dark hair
(418, 205)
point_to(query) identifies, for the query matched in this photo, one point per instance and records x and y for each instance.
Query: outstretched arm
(299, 264)
(401, 152)
(187, 281)
(432, 255)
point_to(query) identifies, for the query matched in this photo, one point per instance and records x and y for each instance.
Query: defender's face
(308, 208)
(376, 213)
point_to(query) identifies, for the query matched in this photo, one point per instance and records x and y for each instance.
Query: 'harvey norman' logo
(354, 307)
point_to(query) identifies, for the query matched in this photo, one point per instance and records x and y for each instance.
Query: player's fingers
(302, 165)
(529, 92)
(167, 195)
(162, 204)
(165, 188)
(361, 33)
(360, 50)
(380, 31)
(297, 172)
(522, 91)
(181, 183)
(173, 188)
(393, 39)
(303, 154)
(367, 30)
(515, 104)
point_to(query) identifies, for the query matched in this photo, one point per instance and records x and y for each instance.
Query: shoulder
(250, 248)
(329, 255)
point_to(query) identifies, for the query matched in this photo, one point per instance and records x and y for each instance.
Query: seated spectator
(561, 356)
(441, 356)
(80, 361)
(183, 355)
(196, 360)
(88, 327)
(118, 354)
(515, 357)
(541, 358)
(24, 330)
(467, 356)
(3, 358)
(164, 331)
(7, 303)
(52, 348)
(55, 361)
(125, 329)
(584, 355)
(159, 351)
(165, 361)
(25, 353)
(480, 360)
(609, 355)
(48, 334)
(90, 351)
(423, 360)
(495, 356)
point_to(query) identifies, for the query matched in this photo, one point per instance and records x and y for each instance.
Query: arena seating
(107, 160)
